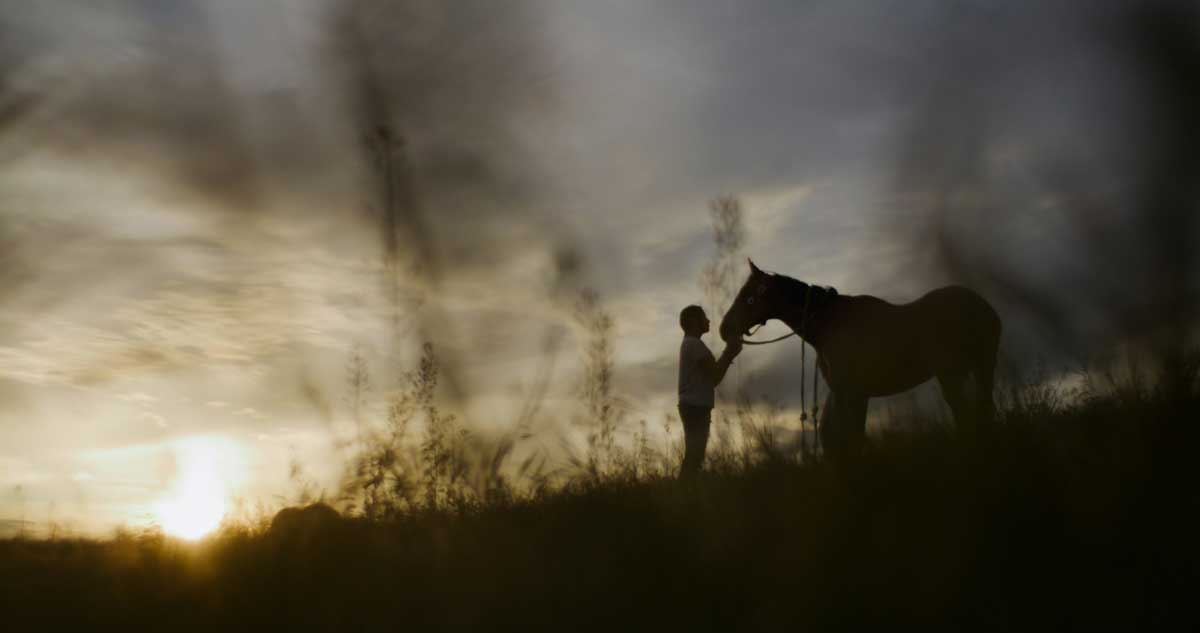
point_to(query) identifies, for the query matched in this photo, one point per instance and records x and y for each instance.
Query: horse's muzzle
(728, 332)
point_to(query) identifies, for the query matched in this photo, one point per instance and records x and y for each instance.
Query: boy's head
(693, 320)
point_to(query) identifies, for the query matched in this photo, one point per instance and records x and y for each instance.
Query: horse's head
(757, 301)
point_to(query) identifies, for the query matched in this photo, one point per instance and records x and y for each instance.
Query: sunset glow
(206, 470)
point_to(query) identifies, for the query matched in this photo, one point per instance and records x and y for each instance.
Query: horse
(867, 347)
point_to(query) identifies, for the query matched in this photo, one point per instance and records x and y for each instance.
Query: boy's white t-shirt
(695, 361)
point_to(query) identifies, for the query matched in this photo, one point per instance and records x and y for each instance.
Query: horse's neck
(805, 328)
(807, 317)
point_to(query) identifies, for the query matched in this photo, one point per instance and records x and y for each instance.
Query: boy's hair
(690, 315)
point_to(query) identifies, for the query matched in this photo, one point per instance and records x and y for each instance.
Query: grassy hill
(1076, 514)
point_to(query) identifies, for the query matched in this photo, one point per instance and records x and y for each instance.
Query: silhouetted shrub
(304, 526)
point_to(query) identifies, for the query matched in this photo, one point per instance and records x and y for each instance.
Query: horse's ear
(753, 269)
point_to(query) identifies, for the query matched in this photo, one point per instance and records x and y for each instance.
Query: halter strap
(804, 317)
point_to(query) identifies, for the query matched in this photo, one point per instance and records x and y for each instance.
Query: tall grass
(396, 468)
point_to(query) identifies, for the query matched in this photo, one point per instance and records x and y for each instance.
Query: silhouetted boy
(699, 374)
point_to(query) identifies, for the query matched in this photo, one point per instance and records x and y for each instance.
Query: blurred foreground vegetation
(1077, 511)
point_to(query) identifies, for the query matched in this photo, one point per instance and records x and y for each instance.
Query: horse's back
(961, 305)
(958, 325)
(953, 307)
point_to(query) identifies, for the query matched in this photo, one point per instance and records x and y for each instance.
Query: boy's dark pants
(696, 421)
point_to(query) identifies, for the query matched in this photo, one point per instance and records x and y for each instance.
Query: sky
(195, 236)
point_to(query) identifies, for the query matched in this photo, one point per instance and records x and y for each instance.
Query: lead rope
(803, 368)
(803, 404)
(816, 371)
(816, 408)
(816, 401)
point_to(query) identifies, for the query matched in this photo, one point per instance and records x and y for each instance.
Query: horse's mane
(798, 292)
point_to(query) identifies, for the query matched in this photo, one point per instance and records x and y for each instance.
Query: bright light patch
(207, 468)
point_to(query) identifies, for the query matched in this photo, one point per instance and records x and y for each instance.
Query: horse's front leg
(854, 419)
(843, 424)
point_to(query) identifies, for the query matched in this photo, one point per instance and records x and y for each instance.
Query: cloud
(155, 419)
(250, 412)
(138, 397)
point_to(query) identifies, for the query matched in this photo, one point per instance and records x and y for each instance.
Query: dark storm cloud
(1059, 176)
(441, 92)
(799, 90)
(753, 94)
(160, 86)
(128, 81)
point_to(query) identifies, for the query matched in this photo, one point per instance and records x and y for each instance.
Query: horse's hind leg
(953, 390)
(985, 375)
(855, 419)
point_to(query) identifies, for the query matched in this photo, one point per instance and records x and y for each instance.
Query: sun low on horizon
(207, 469)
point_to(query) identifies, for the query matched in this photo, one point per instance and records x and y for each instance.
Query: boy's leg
(696, 421)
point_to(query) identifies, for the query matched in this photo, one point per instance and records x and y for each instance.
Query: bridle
(803, 324)
(804, 317)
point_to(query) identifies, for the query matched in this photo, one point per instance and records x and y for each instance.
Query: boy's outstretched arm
(722, 364)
